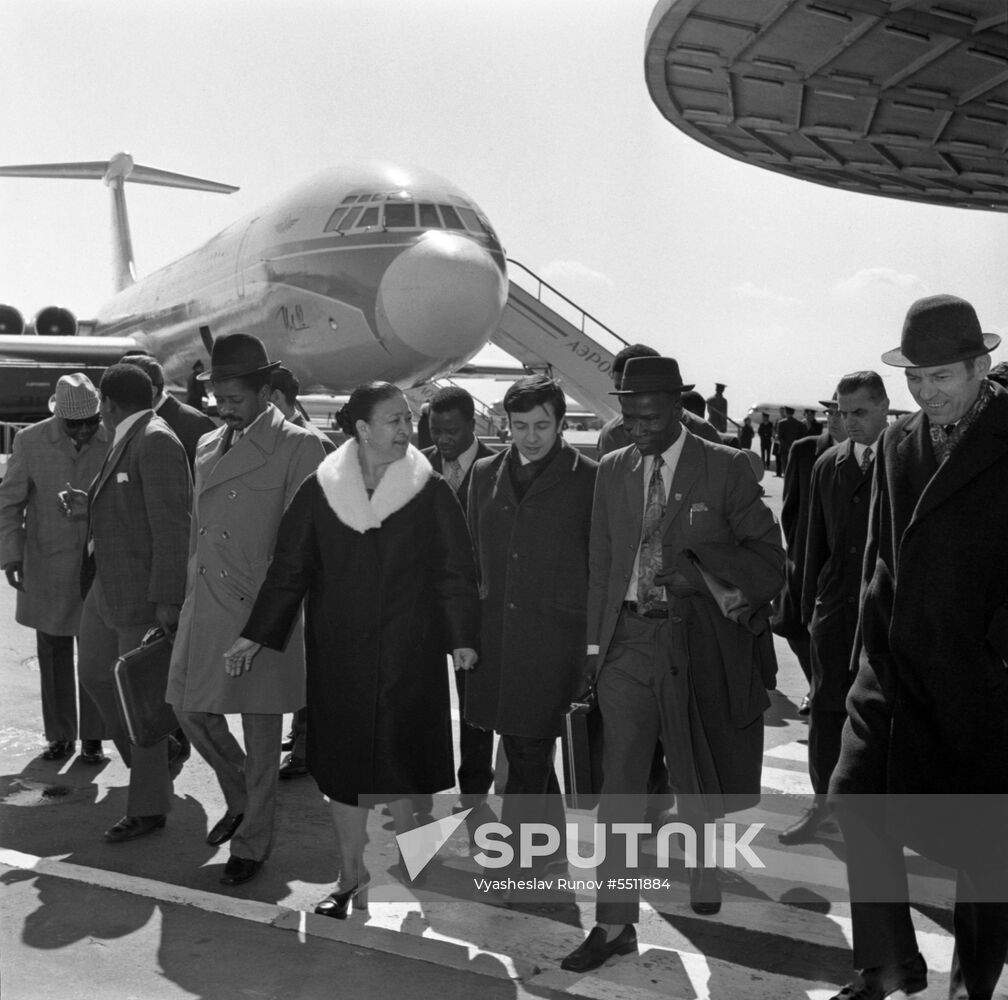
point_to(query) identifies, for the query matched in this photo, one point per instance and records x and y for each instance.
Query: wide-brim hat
(829, 403)
(75, 398)
(237, 355)
(650, 375)
(940, 330)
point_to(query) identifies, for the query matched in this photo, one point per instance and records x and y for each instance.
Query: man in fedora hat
(246, 473)
(928, 708)
(40, 551)
(662, 656)
(613, 434)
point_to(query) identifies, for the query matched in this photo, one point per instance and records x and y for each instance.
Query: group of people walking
(340, 582)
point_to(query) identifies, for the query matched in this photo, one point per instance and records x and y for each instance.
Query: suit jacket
(239, 499)
(434, 457)
(34, 530)
(839, 501)
(612, 436)
(787, 620)
(188, 423)
(298, 420)
(532, 556)
(714, 500)
(138, 517)
(928, 709)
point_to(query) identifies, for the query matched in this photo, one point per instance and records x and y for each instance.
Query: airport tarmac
(148, 920)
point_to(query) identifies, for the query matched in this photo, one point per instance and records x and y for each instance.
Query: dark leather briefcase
(141, 681)
(581, 742)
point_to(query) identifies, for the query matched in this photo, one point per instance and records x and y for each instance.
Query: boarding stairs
(546, 331)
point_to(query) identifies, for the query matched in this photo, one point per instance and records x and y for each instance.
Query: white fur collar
(342, 482)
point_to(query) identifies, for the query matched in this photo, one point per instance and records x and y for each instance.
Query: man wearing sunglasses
(40, 551)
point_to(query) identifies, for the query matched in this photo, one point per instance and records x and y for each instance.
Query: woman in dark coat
(376, 544)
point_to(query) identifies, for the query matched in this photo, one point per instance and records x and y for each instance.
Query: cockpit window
(429, 218)
(470, 220)
(349, 199)
(400, 216)
(348, 220)
(335, 219)
(363, 197)
(369, 217)
(451, 219)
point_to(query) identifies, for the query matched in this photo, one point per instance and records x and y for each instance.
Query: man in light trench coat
(246, 473)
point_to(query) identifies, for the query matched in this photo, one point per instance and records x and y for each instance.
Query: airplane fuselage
(360, 273)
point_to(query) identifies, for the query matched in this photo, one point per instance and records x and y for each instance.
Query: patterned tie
(866, 459)
(453, 473)
(650, 559)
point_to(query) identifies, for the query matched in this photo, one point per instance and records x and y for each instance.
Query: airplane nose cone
(442, 297)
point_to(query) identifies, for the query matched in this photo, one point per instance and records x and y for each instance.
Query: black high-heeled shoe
(338, 904)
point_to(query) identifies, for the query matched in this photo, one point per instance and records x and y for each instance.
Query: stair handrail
(583, 312)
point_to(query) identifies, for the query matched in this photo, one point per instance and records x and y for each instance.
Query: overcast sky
(537, 108)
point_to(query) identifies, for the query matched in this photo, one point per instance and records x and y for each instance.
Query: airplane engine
(11, 321)
(55, 321)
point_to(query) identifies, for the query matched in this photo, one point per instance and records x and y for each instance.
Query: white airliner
(363, 272)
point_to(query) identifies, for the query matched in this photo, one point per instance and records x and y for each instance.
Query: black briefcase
(141, 681)
(581, 742)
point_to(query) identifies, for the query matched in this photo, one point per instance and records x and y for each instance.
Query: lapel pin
(678, 497)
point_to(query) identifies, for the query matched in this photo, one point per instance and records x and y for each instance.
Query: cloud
(561, 272)
(881, 279)
(750, 290)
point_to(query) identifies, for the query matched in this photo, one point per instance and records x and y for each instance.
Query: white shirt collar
(124, 425)
(859, 449)
(468, 456)
(161, 401)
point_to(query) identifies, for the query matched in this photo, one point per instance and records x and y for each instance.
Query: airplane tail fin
(115, 172)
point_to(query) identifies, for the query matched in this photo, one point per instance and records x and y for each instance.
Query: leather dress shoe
(131, 827)
(293, 767)
(595, 949)
(237, 871)
(806, 706)
(91, 752)
(805, 829)
(223, 830)
(885, 980)
(58, 749)
(705, 891)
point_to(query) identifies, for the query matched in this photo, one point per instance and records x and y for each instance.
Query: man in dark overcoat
(529, 515)
(787, 619)
(836, 532)
(451, 421)
(787, 431)
(928, 708)
(665, 658)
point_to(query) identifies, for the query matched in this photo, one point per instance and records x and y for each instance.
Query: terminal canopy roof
(902, 98)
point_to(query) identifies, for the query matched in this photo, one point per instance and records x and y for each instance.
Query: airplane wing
(84, 350)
